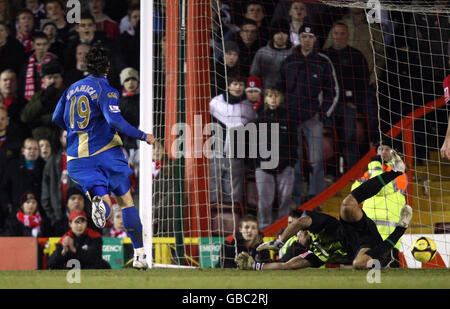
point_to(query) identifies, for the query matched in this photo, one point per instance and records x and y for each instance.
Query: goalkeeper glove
(270, 245)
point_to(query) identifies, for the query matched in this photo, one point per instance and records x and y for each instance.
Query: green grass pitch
(227, 279)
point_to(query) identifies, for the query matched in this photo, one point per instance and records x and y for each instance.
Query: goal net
(375, 74)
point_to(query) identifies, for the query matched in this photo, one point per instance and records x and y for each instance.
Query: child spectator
(247, 239)
(253, 91)
(117, 230)
(267, 61)
(231, 111)
(279, 179)
(230, 66)
(80, 243)
(129, 103)
(27, 221)
(45, 148)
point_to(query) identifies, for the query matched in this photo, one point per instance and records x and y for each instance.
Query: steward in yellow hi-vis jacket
(384, 208)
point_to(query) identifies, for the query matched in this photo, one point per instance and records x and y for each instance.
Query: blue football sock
(132, 224)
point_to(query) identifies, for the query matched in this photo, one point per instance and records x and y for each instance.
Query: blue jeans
(312, 130)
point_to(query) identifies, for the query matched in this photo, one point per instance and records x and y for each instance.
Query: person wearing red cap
(445, 149)
(253, 91)
(80, 243)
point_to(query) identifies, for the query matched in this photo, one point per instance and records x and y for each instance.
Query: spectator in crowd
(27, 221)
(12, 101)
(10, 144)
(55, 186)
(267, 61)
(230, 66)
(45, 148)
(254, 10)
(39, 110)
(319, 15)
(103, 22)
(80, 71)
(298, 12)
(353, 77)
(12, 53)
(222, 30)
(22, 174)
(231, 112)
(129, 104)
(5, 14)
(25, 26)
(246, 240)
(86, 33)
(56, 45)
(80, 243)
(55, 12)
(38, 11)
(10, 140)
(384, 207)
(278, 179)
(31, 72)
(128, 22)
(253, 91)
(360, 37)
(117, 229)
(303, 76)
(128, 46)
(248, 44)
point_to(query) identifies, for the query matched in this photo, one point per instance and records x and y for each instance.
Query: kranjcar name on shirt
(83, 88)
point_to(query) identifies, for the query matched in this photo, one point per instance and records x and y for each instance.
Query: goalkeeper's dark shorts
(361, 234)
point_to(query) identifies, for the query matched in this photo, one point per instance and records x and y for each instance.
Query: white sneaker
(397, 163)
(244, 261)
(98, 212)
(139, 261)
(405, 216)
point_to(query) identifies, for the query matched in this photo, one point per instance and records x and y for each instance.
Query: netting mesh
(370, 77)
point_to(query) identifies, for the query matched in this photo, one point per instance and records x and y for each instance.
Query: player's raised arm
(111, 111)
(445, 149)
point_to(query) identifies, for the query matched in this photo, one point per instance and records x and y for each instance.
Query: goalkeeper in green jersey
(354, 236)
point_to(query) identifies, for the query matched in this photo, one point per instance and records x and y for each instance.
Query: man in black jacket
(352, 72)
(308, 81)
(80, 243)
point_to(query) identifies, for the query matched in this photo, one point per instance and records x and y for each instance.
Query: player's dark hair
(97, 61)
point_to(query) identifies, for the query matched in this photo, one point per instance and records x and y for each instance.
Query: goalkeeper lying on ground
(354, 237)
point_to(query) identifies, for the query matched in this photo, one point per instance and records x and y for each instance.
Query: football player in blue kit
(89, 111)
